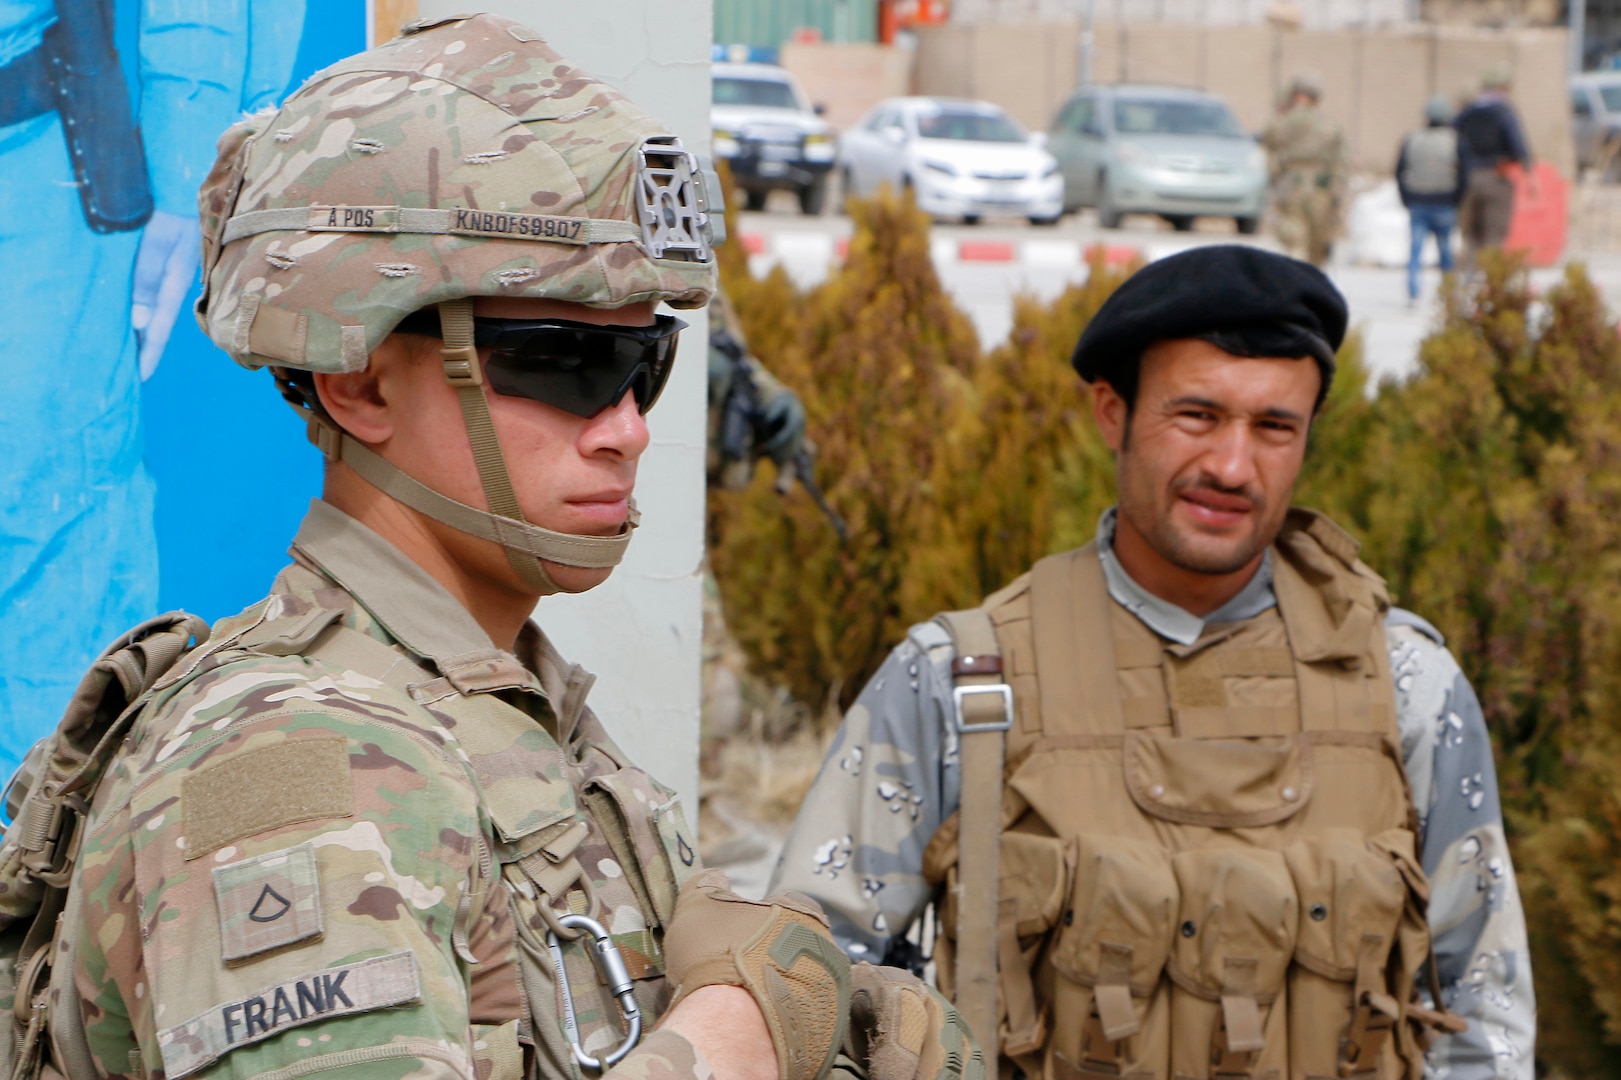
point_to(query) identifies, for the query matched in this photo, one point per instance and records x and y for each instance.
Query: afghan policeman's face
(1208, 457)
(570, 474)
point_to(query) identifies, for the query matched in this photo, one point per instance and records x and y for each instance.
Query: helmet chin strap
(526, 544)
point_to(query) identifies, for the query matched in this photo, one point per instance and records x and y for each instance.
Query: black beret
(1246, 301)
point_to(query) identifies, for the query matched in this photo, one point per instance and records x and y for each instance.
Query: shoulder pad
(929, 635)
(1329, 536)
(1011, 591)
(933, 641)
(1402, 617)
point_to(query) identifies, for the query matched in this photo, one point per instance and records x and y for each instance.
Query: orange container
(1541, 214)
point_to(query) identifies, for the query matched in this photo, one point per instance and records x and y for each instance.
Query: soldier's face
(1207, 460)
(570, 474)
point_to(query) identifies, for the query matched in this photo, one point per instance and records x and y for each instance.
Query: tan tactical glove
(902, 1029)
(779, 950)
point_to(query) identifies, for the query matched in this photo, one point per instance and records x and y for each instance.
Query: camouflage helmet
(464, 158)
(1306, 84)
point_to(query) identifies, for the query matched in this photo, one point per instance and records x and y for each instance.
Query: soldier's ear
(356, 400)
(1112, 413)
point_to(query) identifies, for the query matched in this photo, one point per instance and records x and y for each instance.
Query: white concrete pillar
(641, 633)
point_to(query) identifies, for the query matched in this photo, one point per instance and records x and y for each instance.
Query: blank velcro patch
(298, 780)
(268, 901)
(339, 991)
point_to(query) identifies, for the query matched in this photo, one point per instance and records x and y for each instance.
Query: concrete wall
(1375, 81)
(1313, 14)
(847, 78)
(641, 632)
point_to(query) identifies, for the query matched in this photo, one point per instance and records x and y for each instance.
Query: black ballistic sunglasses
(581, 368)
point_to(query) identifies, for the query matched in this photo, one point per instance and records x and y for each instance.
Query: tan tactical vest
(1206, 858)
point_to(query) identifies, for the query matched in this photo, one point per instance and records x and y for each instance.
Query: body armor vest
(1431, 166)
(1207, 856)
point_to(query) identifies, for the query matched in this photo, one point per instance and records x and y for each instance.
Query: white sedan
(959, 159)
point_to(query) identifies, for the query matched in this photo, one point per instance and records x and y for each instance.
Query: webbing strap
(982, 752)
(1026, 1030)
(1072, 624)
(566, 548)
(453, 222)
(463, 372)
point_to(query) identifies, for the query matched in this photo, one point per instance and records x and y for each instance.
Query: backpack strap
(983, 710)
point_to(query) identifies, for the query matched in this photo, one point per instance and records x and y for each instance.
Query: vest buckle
(1100, 1055)
(1227, 1063)
(1369, 1032)
(959, 696)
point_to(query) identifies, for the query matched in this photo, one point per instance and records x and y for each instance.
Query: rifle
(802, 467)
(748, 432)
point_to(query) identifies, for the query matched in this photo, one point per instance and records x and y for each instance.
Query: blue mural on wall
(119, 497)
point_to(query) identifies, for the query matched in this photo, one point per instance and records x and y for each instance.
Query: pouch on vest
(1110, 953)
(1420, 1026)
(1035, 885)
(1218, 783)
(1234, 939)
(648, 831)
(1351, 903)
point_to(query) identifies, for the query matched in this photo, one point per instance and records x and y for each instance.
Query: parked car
(1595, 115)
(959, 158)
(772, 136)
(1180, 154)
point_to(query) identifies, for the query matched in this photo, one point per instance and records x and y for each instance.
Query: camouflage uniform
(892, 777)
(1308, 168)
(324, 843)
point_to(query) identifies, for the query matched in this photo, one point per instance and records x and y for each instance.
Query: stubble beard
(1185, 551)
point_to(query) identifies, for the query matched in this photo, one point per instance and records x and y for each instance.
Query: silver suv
(771, 135)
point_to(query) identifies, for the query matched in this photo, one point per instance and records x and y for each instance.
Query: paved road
(984, 266)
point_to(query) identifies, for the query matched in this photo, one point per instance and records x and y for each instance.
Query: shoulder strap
(983, 708)
(1072, 624)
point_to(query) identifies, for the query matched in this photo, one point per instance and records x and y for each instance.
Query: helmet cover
(464, 158)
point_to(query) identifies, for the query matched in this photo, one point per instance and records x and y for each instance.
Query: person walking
(1492, 141)
(1308, 168)
(1430, 175)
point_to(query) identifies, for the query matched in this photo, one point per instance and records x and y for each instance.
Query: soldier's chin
(576, 579)
(1206, 555)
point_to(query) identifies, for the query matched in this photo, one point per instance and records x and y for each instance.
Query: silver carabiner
(611, 965)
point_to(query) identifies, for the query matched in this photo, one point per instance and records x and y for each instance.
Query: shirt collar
(1167, 619)
(411, 605)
